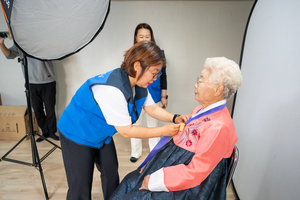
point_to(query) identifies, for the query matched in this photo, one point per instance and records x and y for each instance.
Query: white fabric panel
(54, 29)
(267, 106)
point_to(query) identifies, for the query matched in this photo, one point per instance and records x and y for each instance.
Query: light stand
(36, 161)
(56, 32)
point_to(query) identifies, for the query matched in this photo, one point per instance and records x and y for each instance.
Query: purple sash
(165, 139)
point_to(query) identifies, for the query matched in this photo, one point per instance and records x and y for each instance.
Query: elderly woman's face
(205, 91)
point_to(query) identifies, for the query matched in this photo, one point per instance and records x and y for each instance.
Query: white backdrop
(267, 108)
(188, 31)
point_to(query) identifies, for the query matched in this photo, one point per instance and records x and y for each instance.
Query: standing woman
(158, 91)
(106, 104)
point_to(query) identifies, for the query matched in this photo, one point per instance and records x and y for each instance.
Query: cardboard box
(14, 122)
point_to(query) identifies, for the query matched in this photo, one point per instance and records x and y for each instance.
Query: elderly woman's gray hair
(226, 72)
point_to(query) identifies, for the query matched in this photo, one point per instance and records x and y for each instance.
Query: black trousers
(79, 163)
(43, 98)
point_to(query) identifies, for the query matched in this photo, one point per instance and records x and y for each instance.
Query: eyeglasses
(155, 75)
(199, 81)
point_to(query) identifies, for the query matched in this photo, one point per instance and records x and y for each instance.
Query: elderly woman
(193, 164)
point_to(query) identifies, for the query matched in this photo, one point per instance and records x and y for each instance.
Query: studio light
(50, 30)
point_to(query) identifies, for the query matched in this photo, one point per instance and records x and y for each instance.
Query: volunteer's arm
(115, 111)
(141, 132)
(159, 113)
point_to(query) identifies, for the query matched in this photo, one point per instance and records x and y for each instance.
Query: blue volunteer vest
(83, 121)
(155, 89)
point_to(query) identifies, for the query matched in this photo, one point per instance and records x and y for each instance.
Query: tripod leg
(3, 157)
(38, 162)
(46, 139)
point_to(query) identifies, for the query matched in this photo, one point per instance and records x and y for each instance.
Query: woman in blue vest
(158, 91)
(106, 104)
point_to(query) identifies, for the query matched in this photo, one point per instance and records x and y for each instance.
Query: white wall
(188, 31)
(267, 106)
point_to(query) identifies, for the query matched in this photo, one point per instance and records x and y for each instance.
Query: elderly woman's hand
(143, 167)
(182, 119)
(145, 183)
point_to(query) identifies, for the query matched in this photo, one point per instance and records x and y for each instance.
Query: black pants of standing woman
(79, 163)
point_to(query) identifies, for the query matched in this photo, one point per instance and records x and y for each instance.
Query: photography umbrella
(50, 30)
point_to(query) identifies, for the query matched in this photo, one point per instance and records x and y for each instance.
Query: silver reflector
(50, 30)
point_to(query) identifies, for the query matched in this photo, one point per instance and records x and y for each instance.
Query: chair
(234, 158)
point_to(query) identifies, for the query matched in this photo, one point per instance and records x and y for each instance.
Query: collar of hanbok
(208, 110)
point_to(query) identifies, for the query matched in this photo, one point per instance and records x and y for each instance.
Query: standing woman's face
(143, 35)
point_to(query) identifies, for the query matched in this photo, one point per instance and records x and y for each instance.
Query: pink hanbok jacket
(212, 138)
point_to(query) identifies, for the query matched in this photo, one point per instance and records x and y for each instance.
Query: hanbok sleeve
(211, 149)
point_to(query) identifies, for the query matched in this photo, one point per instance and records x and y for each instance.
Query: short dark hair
(145, 52)
(145, 26)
